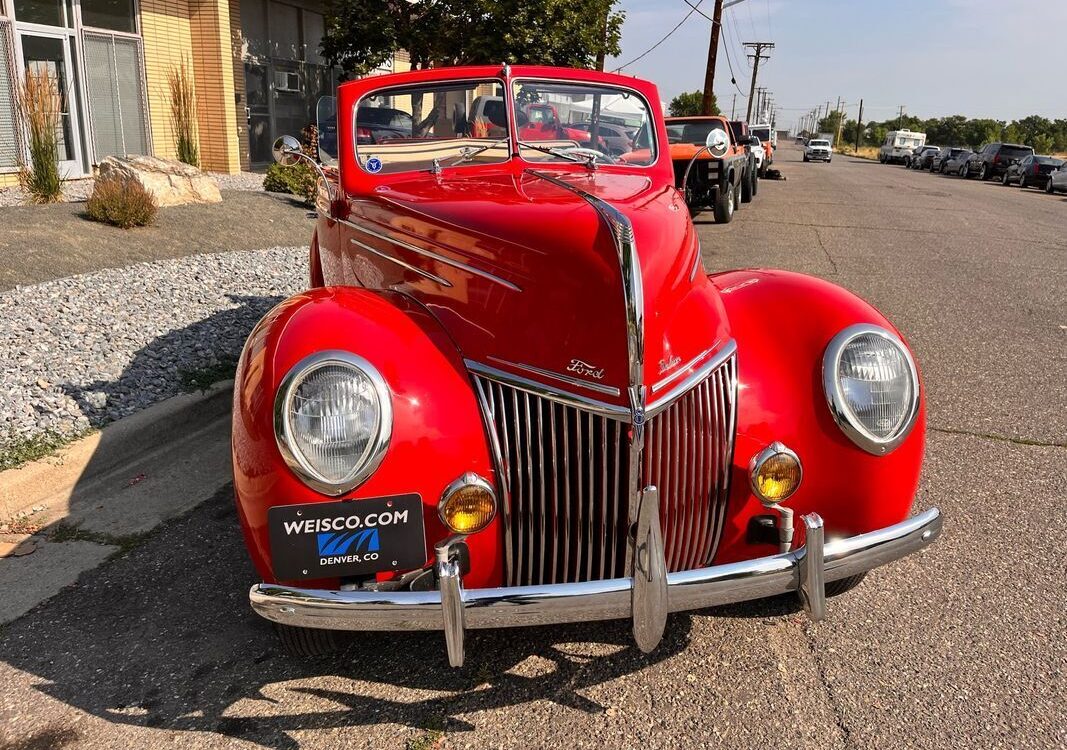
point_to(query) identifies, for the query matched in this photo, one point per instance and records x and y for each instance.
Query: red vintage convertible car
(513, 395)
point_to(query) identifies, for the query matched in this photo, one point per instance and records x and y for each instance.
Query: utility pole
(757, 55)
(859, 127)
(900, 116)
(602, 52)
(713, 51)
(733, 107)
(840, 123)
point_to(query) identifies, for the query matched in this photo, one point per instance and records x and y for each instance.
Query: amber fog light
(775, 473)
(467, 505)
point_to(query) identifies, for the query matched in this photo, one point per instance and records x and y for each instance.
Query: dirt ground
(38, 243)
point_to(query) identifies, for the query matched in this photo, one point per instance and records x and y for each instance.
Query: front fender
(782, 323)
(438, 432)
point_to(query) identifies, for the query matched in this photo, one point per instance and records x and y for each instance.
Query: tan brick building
(255, 64)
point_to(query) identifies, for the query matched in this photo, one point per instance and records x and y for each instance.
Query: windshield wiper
(469, 153)
(588, 161)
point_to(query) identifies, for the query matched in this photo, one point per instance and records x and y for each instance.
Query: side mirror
(286, 150)
(717, 143)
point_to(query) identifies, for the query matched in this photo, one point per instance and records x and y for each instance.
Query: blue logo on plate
(346, 542)
(374, 165)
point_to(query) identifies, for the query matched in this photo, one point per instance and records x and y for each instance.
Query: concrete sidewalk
(101, 495)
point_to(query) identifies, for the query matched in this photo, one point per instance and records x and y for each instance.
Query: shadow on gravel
(164, 637)
(178, 360)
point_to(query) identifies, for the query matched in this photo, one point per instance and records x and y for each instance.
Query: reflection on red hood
(568, 316)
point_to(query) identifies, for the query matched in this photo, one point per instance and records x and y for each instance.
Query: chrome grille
(564, 471)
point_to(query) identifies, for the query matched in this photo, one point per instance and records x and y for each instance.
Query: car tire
(310, 642)
(881, 158)
(983, 173)
(1048, 187)
(724, 205)
(836, 588)
(755, 185)
(805, 157)
(1022, 183)
(746, 186)
(1005, 180)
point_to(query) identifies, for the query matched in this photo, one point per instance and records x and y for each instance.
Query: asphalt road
(964, 645)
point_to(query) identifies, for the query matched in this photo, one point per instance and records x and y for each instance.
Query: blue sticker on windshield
(374, 165)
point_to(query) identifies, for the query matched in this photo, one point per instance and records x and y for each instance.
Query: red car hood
(558, 311)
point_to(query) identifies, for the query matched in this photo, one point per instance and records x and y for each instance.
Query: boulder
(171, 183)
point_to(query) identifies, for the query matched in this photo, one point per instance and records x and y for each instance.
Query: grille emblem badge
(578, 367)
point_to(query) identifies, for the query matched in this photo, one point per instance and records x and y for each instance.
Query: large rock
(171, 183)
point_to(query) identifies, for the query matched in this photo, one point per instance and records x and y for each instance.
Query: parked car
(740, 133)
(617, 138)
(717, 172)
(924, 157)
(380, 124)
(759, 151)
(956, 164)
(512, 396)
(993, 159)
(1031, 171)
(818, 150)
(940, 160)
(1057, 181)
(769, 140)
(899, 145)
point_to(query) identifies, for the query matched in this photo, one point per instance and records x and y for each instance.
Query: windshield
(556, 121)
(416, 127)
(1015, 152)
(820, 143)
(764, 134)
(694, 132)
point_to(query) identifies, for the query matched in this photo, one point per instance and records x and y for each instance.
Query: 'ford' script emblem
(578, 367)
(669, 363)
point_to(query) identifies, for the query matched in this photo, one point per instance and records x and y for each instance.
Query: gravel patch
(86, 350)
(242, 181)
(78, 191)
(74, 191)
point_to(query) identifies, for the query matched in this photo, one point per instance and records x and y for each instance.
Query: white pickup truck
(818, 149)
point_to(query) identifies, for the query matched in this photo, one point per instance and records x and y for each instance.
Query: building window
(9, 140)
(116, 94)
(45, 12)
(116, 15)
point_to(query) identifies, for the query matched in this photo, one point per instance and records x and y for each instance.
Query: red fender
(438, 431)
(782, 323)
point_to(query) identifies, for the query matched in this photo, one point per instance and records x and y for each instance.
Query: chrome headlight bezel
(294, 459)
(835, 398)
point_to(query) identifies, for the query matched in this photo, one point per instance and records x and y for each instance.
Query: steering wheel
(592, 153)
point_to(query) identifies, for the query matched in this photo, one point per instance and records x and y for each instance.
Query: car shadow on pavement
(163, 636)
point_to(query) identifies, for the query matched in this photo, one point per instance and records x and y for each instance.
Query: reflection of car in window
(377, 124)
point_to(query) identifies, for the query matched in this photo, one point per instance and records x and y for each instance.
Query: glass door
(51, 53)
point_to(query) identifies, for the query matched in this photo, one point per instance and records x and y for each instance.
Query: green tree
(363, 34)
(689, 103)
(829, 123)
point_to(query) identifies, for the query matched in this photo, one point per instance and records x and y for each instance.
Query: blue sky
(979, 58)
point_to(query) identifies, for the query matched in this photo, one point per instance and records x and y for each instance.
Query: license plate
(350, 538)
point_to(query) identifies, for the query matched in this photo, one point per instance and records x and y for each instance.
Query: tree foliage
(689, 104)
(363, 34)
(1046, 136)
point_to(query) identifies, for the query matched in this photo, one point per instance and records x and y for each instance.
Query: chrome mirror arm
(287, 152)
(689, 166)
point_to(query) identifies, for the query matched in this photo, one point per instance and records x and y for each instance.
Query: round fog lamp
(775, 473)
(467, 505)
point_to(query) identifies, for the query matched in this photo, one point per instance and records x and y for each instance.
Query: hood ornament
(578, 367)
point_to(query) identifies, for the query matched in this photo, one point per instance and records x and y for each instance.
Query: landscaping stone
(143, 330)
(171, 183)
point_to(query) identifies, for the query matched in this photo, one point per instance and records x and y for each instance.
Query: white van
(899, 144)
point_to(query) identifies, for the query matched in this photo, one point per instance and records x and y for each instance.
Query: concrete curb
(123, 442)
(108, 489)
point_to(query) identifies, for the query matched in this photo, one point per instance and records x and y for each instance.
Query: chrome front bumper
(646, 598)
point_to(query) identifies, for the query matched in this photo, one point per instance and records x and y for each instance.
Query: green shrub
(122, 204)
(299, 179)
(38, 97)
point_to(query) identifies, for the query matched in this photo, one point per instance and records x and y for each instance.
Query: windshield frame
(475, 81)
(513, 122)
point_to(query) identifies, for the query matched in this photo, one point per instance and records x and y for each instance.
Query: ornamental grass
(121, 203)
(183, 113)
(39, 100)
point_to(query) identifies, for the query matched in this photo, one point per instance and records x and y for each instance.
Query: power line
(661, 41)
(725, 47)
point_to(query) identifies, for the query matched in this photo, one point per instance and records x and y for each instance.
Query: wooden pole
(713, 51)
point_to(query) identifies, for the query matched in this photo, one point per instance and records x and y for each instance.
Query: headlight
(332, 419)
(871, 386)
